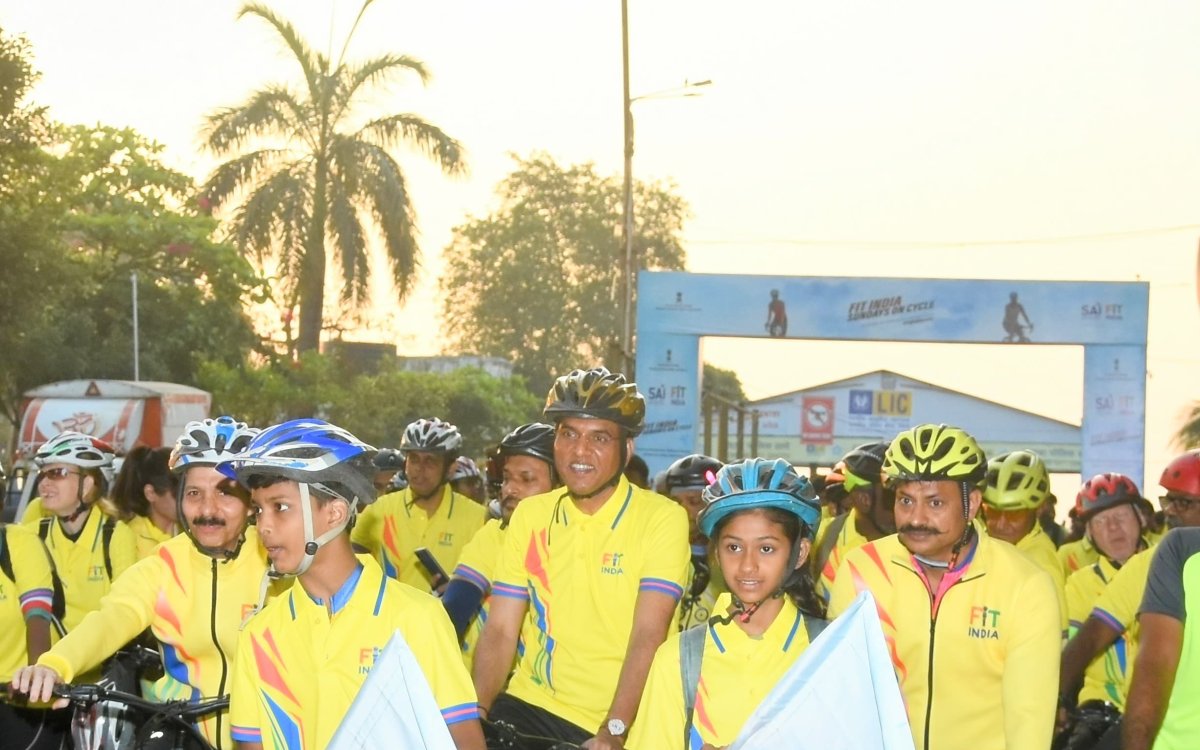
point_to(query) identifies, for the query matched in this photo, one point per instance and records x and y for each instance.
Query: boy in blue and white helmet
(303, 658)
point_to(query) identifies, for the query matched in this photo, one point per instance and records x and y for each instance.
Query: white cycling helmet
(432, 436)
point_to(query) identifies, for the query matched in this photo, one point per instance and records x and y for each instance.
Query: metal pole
(137, 375)
(627, 310)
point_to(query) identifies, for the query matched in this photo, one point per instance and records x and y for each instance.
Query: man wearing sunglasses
(1114, 614)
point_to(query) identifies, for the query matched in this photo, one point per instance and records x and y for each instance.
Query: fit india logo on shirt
(610, 563)
(367, 657)
(984, 623)
(446, 539)
(95, 573)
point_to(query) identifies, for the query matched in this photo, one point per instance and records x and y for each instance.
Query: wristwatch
(616, 727)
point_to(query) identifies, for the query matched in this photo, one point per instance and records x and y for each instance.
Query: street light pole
(628, 275)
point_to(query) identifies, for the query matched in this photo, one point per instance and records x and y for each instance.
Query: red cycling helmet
(1182, 475)
(1105, 491)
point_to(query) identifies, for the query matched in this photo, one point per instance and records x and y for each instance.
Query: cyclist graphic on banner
(1014, 312)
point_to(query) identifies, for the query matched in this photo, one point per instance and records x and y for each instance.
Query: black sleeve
(462, 601)
(1164, 585)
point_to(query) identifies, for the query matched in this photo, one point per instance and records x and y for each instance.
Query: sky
(1019, 140)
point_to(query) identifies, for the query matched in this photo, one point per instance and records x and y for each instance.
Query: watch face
(616, 727)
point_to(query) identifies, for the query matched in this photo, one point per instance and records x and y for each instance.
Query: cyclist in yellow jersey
(686, 480)
(25, 614)
(870, 515)
(428, 513)
(302, 660)
(972, 624)
(1114, 614)
(1109, 510)
(525, 461)
(1078, 553)
(1016, 488)
(759, 516)
(193, 593)
(90, 549)
(144, 496)
(588, 579)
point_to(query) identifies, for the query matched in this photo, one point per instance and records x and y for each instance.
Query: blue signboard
(1108, 319)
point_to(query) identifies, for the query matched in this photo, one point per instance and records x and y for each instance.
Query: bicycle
(107, 719)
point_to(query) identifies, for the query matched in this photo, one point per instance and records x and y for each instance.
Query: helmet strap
(311, 544)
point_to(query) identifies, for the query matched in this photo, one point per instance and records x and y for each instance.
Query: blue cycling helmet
(208, 442)
(759, 483)
(317, 455)
(309, 451)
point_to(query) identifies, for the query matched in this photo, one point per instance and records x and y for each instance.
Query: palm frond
(241, 172)
(304, 56)
(350, 244)
(412, 130)
(374, 71)
(256, 222)
(272, 111)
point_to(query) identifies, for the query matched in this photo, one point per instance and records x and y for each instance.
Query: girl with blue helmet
(760, 517)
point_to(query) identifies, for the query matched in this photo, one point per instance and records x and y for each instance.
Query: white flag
(394, 708)
(840, 693)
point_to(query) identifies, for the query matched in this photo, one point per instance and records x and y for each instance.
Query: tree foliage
(722, 383)
(90, 207)
(1188, 436)
(375, 407)
(306, 178)
(538, 280)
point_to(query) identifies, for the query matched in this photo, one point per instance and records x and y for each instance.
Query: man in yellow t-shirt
(427, 514)
(589, 578)
(870, 517)
(1017, 486)
(1109, 510)
(26, 603)
(302, 660)
(525, 460)
(193, 593)
(990, 612)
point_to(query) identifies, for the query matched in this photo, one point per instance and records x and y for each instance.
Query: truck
(125, 413)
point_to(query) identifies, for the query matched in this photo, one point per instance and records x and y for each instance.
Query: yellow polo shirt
(80, 563)
(477, 565)
(736, 674)
(977, 660)
(582, 576)
(393, 527)
(30, 595)
(1105, 678)
(1038, 547)
(298, 668)
(1077, 554)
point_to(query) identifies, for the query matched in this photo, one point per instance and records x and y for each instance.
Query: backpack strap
(106, 535)
(814, 626)
(6, 556)
(691, 655)
(59, 603)
(827, 544)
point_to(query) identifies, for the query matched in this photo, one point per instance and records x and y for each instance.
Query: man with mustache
(971, 623)
(193, 592)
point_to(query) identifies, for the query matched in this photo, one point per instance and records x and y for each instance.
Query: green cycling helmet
(1016, 481)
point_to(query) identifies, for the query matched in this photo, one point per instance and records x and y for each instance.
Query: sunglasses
(60, 472)
(1181, 504)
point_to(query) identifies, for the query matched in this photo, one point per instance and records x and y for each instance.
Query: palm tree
(1188, 436)
(303, 181)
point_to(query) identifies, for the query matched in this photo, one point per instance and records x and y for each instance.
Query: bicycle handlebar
(87, 695)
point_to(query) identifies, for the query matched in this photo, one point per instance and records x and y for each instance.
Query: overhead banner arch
(1108, 319)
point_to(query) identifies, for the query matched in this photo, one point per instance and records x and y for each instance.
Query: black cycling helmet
(863, 465)
(694, 472)
(597, 394)
(534, 439)
(389, 459)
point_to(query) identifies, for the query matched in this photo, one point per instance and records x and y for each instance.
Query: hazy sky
(1016, 140)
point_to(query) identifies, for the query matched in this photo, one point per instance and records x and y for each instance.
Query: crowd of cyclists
(556, 599)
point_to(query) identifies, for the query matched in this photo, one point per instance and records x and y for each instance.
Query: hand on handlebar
(38, 683)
